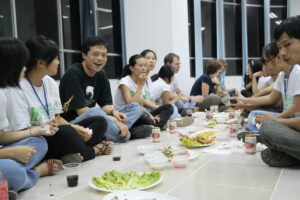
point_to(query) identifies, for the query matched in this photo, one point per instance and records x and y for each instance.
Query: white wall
(295, 7)
(162, 25)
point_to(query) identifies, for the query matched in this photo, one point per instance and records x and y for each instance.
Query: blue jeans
(175, 114)
(20, 176)
(251, 125)
(133, 112)
(187, 105)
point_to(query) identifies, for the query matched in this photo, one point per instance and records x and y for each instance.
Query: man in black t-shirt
(89, 85)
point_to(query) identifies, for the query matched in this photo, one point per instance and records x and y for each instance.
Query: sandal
(103, 148)
(51, 166)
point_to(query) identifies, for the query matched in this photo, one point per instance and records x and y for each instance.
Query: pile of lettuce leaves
(114, 180)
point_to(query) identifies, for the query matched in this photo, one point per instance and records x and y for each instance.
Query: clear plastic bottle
(3, 187)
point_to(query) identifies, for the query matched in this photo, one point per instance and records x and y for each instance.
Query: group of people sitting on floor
(43, 125)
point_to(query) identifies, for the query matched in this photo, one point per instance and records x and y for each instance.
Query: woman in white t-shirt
(135, 86)
(21, 151)
(40, 103)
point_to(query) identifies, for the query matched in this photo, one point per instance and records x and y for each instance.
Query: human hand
(21, 153)
(123, 128)
(261, 118)
(120, 116)
(154, 118)
(142, 79)
(198, 99)
(257, 74)
(82, 131)
(48, 129)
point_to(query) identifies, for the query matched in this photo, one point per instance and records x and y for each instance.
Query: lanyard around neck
(286, 81)
(46, 108)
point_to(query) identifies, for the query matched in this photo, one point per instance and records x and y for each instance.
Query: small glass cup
(72, 176)
(117, 151)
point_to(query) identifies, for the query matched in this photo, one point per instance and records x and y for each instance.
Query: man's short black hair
(93, 41)
(290, 26)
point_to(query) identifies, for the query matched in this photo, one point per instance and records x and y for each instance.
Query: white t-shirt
(3, 117)
(129, 82)
(174, 85)
(264, 81)
(293, 86)
(158, 88)
(26, 108)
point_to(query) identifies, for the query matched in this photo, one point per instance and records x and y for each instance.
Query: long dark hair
(132, 62)
(165, 72)
(13, 57)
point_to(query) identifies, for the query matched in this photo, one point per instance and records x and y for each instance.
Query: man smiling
(281, 133)
(88, 83)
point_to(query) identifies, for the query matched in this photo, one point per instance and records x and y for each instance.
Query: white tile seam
(179, 182)
(277, 183)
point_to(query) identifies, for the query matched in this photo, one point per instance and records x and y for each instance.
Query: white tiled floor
(209, 177)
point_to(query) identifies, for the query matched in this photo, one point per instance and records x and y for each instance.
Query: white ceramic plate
(158, 154)
(142, 149)
(138, 195)
(92, 185)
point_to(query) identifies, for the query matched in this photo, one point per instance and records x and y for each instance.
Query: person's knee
(136, 108)
(14, 173)
(267, 130)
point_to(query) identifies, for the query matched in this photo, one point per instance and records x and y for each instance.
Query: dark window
(233, 30)
(255, 30)
(278, 2)
(191, 37)
(109, 27)
(71, 58)
(71, 24)
(5, 19)
(208, 21)
(277, 15)
(114, 67)
(235, 67)
(37, 17)
(257, 2)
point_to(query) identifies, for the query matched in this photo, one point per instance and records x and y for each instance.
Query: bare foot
(48, 167)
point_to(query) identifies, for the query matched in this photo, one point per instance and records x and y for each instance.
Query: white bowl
(158, 163)
(180, 161)
(143, 149)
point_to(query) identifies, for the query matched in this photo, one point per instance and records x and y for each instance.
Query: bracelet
(30, 133)
(112, 112)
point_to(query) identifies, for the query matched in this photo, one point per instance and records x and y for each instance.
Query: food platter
(94, 186)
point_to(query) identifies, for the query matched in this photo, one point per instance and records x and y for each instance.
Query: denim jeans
(187, 105)
(133, 112)
(175, 114)
(20, 176)
(251, 125)
(281, 138)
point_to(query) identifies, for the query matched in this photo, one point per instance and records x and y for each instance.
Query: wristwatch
(190, 99)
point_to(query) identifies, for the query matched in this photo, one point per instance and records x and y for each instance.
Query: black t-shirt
(197, 87)
(87, 91)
